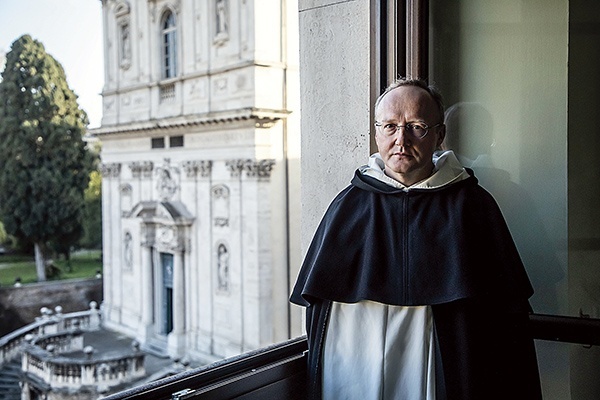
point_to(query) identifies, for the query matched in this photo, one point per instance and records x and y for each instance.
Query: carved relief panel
(167, 238)
(126, 199)
(220, 202)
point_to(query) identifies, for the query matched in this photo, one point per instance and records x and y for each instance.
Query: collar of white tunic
(447, 170)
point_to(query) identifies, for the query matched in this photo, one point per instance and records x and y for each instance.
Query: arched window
(169, 45)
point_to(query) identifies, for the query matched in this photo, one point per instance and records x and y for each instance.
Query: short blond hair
(431, 89)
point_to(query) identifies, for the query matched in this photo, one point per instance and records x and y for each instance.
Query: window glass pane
(176, 141)
(584, 191)
(502, 67)
(169, 46)
(158, 143)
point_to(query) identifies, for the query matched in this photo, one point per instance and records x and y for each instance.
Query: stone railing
(59, 372)
(48, 323)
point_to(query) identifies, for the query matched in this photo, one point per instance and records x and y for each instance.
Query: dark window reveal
(158, 143)
(176, 141)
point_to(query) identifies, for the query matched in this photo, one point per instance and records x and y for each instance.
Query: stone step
(9, 381)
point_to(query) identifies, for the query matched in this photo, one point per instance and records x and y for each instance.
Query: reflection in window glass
(502, 67)
(493, 62)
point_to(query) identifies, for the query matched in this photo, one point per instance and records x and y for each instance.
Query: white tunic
(374, 351)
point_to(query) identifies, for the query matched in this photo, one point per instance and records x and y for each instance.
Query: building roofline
(265, 118)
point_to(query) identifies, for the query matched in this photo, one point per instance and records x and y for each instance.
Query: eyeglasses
(418, 130)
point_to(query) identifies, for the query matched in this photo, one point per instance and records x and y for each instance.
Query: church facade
(200, 165)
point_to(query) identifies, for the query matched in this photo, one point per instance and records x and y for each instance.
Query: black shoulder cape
(449, 248)
(417, 247)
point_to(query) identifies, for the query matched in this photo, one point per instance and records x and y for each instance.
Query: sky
(71, 31)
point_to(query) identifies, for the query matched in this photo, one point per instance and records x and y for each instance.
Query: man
(413, 286)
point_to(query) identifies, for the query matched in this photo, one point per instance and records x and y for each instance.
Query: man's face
(407, 158)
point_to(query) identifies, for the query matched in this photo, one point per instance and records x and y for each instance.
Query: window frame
(168, 45)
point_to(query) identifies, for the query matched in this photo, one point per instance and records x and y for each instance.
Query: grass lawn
(84, 264)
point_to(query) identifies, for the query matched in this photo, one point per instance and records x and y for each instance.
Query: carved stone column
(177, 336)
(146, 327)
(111, 210)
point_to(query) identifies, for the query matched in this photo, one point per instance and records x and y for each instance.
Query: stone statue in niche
(223, 267)
(166, 185)
(222, 33)
(221, 17)
(125, 46)
(128, 250)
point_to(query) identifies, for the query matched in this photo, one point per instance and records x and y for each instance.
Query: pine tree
(44, 164)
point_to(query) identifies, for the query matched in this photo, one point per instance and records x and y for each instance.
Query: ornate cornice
(110, 170)
(253, 168)
(193, 168)
(263, 118)
(259, 168)
(141, 168)
(235, 167)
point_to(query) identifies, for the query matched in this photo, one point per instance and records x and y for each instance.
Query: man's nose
(402, 136)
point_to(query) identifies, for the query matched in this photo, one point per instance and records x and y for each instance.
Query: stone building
(200, 165)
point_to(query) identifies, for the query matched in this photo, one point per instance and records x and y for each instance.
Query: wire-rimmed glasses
(418, 130)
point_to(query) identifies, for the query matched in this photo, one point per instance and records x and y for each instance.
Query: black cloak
(447, 247)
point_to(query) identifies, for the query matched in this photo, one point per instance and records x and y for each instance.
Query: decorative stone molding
(167, 236)
(126, 192)
(193, 168)
(265, 123)
(235, 167)
(220, 200)
(125, 43)
(171, 238)
(110, 170)
(128, 250)
(253, 168)
(141, 168)
(259, 168)
(166, 184)
(122, 8)
(222, 22)
(152, 9)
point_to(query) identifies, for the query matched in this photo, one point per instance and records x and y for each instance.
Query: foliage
(3, 234)
(44, 163)
(92, 221)
(84, 264)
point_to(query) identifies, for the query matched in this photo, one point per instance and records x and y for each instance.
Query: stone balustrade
(48, 323)
(67, 372)
(52, 351)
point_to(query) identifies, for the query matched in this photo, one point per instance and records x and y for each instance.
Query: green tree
(3, 235)
(44, 164)
(92, 223)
